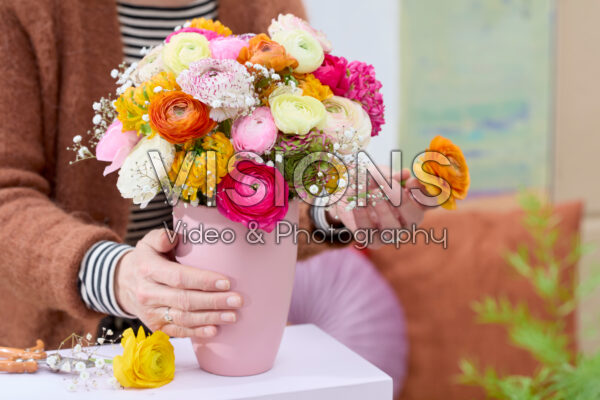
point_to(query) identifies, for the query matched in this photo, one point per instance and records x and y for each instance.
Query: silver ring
(167, 317)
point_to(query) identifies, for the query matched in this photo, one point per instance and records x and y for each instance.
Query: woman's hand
(146, 283)
(380, 214)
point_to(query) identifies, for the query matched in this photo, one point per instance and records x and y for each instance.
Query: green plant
(562, 373)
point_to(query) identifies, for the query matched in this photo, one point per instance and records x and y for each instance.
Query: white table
(311, 365)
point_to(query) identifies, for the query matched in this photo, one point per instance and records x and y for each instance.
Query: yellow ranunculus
(197, 178)
(210, 25)
(184, 49)
(147, 362)
(133, 103)
(313, 87)
(294, 114)
(303, 47)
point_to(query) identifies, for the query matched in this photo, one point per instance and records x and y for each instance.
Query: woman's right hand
(146, 283)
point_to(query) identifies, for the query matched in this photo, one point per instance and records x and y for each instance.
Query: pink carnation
(333, 74)
(209, 35)
(364, 88)
(250, 195)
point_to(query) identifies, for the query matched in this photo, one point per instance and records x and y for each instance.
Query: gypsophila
(105, 114)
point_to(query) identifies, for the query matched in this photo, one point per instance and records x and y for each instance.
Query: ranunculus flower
(262, 50)
(255, 132)
(210, 25)
(365, 88)
(198, 179)
(303, 47)
(147, 362)
(137, 177)
(132, 104)
(225, 85)
(115, 145)
(227, 47)
(333, 73)
(210, 35)
(456, 174)
(296, 114)
(184, 49)
(288, 22)
(178, 117)
(150, 65)
(249, 195)
(311, 86)
(347, 124)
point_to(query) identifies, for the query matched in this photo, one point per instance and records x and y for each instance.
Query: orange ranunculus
(178, 117)
(262, 50)
(210, 25)
(456, 174)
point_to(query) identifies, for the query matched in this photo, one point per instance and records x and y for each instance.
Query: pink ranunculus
(249, 194)
(256, 132)
(333, 73)
(209, 35)
(115, 145)
(227, 47)
(365, 88)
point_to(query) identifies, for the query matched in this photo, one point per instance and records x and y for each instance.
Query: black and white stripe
(96, 277)
(143, 26)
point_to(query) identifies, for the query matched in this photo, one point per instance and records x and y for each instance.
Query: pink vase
(262, 273)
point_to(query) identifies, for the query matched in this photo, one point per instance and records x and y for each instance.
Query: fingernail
(209, 331)
(222, 284)
(228, 317)
(234, 301)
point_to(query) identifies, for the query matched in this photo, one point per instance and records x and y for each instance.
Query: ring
(168, 317)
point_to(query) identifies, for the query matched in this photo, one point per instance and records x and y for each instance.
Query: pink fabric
(341, 292)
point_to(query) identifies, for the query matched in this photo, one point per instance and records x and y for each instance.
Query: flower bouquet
(234, 129)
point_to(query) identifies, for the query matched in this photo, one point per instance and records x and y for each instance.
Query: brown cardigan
(55, 59)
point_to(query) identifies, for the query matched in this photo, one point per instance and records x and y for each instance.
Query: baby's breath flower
(79, 366)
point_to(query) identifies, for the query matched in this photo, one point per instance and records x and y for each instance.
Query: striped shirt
(141, 27)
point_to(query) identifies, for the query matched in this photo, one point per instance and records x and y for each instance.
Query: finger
(412, 212)
(361, 218)
(159, 240)
(191, 300)
(402, 175)
(414, 183)
(193, 319)
(180, 276)
(385, 216)
(181, 331)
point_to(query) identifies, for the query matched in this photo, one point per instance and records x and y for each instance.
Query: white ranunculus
(347, 123)
(137, 178)
(303, 47)
(286, 22)
(150, 65)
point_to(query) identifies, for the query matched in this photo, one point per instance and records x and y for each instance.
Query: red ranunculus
(248, 193)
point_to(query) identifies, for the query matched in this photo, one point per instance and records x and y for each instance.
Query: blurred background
(515, 84)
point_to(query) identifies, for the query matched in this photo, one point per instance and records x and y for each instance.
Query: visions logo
(353, 174)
